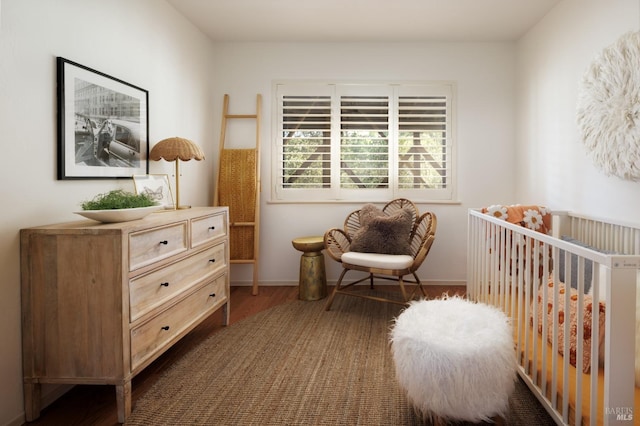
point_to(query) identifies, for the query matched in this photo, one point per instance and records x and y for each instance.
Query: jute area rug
(297, 364)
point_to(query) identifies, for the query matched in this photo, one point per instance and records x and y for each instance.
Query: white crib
(512, 267)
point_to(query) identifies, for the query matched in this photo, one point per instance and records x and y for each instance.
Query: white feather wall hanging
(608, 111)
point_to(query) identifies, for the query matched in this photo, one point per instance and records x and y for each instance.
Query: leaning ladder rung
(242, 224)
(246, 261)
(241, 116)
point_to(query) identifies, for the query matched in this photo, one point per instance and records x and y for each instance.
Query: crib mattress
(544, 351)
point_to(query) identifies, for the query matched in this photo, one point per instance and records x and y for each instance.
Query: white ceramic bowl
(118, 215)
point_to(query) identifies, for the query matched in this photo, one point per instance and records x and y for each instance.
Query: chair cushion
(378, 260)
(382, 233)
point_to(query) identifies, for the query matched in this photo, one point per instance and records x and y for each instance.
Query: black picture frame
(103, 125)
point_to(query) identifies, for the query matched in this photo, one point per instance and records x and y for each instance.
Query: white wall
(147, 44)
(553, 166)
(143, 42)
(484, 73)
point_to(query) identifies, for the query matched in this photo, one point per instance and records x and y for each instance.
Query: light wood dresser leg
(226, 313)
(123, 399)
(32, 400)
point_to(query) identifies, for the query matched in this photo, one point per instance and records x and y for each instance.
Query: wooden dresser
(100, 301)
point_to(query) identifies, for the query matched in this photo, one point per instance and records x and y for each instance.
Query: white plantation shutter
(363, 142)
(306, 141)
(425, 141)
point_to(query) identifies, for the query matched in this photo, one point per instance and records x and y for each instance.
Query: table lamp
(176, 149)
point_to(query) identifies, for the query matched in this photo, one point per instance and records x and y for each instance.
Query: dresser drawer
(208, 228)
(151, 290)
(151, 245)
(154, 335)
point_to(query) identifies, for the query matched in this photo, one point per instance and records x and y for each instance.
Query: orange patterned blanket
(537, 218)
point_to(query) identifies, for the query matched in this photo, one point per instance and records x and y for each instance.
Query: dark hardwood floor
(96, 405)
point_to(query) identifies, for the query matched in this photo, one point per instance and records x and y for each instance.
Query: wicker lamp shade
(175, 149)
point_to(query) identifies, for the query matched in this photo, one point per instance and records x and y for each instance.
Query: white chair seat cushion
(377, 260)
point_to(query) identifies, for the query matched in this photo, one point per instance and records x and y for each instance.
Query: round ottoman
(455, 359)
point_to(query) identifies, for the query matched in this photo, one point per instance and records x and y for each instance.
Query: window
(369, 142)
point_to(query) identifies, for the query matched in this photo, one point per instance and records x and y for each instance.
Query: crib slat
(594, 397)
(565, 359)
(579, 272)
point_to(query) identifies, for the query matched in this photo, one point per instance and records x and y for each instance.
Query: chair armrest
(422, 237)
(336, 242)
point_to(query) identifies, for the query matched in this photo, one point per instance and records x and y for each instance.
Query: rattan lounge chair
(385, 266)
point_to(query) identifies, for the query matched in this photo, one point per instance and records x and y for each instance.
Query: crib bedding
(533, 217)
(559, 315)
(538, 218)
(541, 352)
(544, 351)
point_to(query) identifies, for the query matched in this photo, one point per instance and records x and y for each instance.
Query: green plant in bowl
(118, 199)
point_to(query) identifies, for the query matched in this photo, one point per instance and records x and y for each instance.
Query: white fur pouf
(455, 359)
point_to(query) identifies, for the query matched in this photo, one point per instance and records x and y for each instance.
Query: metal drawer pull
(212, 295)
(164, 284)
(166, 327)
(212, 260)
(165, 242)
(212, 228)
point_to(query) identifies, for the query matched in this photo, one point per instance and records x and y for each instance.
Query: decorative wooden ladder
(238, 187)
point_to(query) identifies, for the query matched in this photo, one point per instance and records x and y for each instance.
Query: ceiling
(363, 20)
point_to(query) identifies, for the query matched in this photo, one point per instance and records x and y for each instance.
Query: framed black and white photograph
(156, 186)
(103, 125)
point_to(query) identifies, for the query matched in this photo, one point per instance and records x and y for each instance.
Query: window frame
(335, 89)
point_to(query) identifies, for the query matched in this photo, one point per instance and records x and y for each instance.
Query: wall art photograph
(103, 125)
(157, 187)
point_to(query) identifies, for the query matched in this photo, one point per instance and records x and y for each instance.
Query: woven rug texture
(296, 364)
